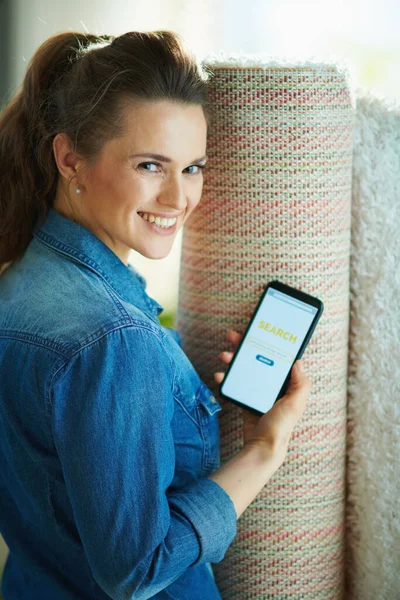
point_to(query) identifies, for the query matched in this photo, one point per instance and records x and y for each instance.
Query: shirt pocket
(196, 434)
(207, 408)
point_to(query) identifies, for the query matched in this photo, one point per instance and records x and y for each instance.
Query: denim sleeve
(112, 409)
(174, 334)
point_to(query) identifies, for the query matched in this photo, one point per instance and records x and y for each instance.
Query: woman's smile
(160, 230)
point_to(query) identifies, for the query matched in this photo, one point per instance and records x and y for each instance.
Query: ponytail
(28, 172)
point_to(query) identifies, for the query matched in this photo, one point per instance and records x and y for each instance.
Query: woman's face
(121, 185)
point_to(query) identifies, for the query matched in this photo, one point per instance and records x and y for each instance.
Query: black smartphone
(277, 335)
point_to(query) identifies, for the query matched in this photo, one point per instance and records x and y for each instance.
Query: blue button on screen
(265, 360)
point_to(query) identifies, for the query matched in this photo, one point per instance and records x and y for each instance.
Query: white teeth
(161, 222)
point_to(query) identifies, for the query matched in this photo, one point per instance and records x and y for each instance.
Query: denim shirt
(107, 433)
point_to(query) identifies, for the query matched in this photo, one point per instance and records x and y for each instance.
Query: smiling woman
(170, 190)
(91, 121)
(107, 440)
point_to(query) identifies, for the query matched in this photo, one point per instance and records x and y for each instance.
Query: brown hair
(80, 84)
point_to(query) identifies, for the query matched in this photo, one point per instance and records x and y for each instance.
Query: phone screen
(267, 352)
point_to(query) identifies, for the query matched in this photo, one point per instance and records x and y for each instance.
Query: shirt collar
(83, 246)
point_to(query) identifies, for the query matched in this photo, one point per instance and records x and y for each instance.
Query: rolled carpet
(373, 430)
(276, 204)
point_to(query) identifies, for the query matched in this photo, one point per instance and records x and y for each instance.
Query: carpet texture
(373, 429)
(276, 204)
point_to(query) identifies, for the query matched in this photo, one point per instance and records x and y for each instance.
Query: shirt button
(212, 399)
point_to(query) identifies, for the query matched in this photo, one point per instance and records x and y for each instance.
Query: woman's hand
(272, 431)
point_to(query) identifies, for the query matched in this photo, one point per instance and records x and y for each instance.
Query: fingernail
(301, 366)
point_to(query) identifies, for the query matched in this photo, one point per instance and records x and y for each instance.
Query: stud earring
(78, 189)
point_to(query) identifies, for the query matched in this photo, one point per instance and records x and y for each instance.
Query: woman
(110, 479)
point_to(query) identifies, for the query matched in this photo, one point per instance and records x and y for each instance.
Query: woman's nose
(174, 194)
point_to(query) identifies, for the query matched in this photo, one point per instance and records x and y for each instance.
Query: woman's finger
(218, 377)
(233, 336)
(226, 356)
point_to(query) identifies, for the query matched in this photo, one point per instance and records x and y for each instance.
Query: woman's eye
(143, 165)
(200, 167)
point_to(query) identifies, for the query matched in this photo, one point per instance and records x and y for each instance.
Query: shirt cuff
(212, 515)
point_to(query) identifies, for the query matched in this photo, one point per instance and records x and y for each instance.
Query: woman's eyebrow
(162, 158)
